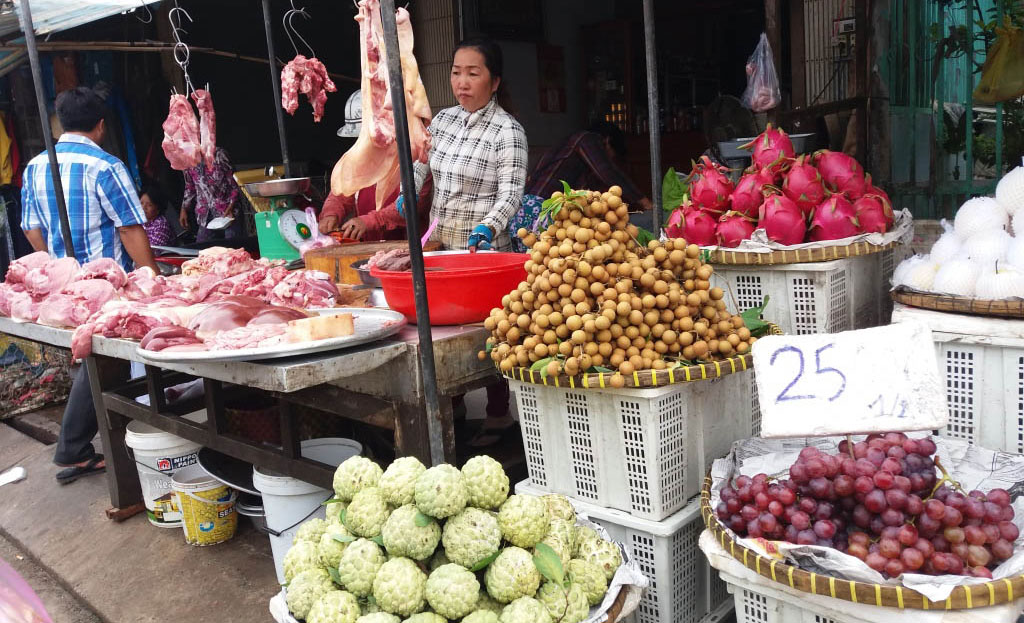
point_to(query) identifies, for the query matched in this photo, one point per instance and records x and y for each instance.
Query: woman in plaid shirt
(478, 155)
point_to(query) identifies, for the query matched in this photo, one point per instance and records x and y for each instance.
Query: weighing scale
(283, 228)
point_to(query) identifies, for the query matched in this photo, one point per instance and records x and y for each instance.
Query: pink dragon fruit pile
(811, 198)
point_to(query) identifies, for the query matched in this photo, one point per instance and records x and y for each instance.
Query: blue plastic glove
(481, 238)
(400, 204)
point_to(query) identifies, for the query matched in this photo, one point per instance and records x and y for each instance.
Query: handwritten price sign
(872, 380)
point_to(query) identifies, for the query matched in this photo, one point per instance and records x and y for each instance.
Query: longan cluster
(593, 297)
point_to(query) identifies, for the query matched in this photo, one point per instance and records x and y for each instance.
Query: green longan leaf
(341, 515)
(548, 563)
(566, 189)
(489, 347)
(643, 237)
(334, 576)
(600, 370)
(422, 521)
(343, 538)
(331, 501)
(483, 562)
(541, 366)
(285, 585)
(752, 319)
(379, 540)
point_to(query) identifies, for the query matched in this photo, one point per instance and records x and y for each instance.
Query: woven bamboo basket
(642, 379)
(892, 596)
(958, 304)
(796, 256)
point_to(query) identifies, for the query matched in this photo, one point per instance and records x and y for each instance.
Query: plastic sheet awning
(51, 16)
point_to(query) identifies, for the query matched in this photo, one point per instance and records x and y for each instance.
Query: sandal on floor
(71, 474)
(489, 437)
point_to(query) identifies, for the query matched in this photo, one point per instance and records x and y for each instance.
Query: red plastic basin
(465, 290)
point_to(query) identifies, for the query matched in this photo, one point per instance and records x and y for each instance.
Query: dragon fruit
(874, 213)
(842, 174)
(697, 227)
(748, 195)
(804, 185)
(871, 189)
(782, 220)
(710, 188)
(733, 228)
(834, 219)
(674, 226)
(770, 147)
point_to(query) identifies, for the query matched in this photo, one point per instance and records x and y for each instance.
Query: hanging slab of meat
(373, 159)
(181, 135)
(104, 268)
(309, 77)
(20, 267)
(207, 126)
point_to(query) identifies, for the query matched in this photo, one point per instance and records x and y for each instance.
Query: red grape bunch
(877, 500)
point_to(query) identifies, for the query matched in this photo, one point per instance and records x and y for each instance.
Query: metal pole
(428, 375)
(44, 120)
(275, 81)
(652, 112)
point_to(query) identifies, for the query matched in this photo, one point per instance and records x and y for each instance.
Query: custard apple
(399, 480)
(399, 587)
(512, 575)
(486, 602)
(404, 537)
(471, 536)
(367, 513)
(310, 531)
(588, 577)
(369, 606)
(485, 481)
(604, 554)
(439, 558)
(564, 531)
(564, 605)
(305, 589)
(525, 610)
(359, 565)
(334, 607)
(426, 617)
(559, 506)
(301, 556)
(581, 535)
(524, 520)
(452, 591)
(330, 548)
(481, 616)
(354, 475)
(440, 491)
(559, 546)
(379, 617)
(334, 510)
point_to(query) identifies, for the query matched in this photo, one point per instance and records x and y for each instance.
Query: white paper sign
(867, 381)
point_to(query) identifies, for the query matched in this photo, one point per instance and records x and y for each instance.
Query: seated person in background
(587, 160)
(158, 228)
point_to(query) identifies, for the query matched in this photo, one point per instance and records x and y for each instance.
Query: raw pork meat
(24, 307)
(305, 289)
(373, 159)
(181, 135)
(394, 260)
(207, 125)
(127, 319)
(7, 292)
(307, 76)
(171, 338)
(76, 303)
(104, 268)
(251, 336)
(51, 277)
(20, 267)
(226, 314)
(219, 261)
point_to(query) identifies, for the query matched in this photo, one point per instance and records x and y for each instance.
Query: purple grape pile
(877, 500)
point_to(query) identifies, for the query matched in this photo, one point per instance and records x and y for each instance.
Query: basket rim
(964, 597)
(950, 303)
(797, 256)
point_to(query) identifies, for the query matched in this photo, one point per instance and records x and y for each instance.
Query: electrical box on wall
(844, 37)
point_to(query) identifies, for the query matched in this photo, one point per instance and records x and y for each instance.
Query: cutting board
(337, 261)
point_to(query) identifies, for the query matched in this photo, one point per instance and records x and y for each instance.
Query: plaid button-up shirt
(479, 162)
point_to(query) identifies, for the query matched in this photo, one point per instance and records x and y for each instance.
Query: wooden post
(122, 476)
(797, 53)
(773, 29)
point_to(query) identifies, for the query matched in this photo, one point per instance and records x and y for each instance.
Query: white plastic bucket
(287, 502)
(208, 514)
(158, 455)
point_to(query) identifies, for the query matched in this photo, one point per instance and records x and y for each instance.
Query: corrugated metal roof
(50, 16)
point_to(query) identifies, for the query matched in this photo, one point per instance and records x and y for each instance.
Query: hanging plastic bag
(1002, 75)
(762, 82)
(316, 239)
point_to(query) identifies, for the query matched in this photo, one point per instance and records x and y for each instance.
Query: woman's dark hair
(616, 138)
(80, 109)
(495, 63)
(156, 195)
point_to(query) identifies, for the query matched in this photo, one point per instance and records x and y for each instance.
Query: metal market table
(376, 383)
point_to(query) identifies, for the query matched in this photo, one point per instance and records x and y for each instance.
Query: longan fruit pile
(593, 297)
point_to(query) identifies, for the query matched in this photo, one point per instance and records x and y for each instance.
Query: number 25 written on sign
(819, 371)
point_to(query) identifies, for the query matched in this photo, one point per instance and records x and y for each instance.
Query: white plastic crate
(683, 587)
(643, 451)
(981, 361)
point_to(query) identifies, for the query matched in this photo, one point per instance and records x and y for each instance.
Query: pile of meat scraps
(309, 77)
(187, 142)
(99, 298)
(396, 260)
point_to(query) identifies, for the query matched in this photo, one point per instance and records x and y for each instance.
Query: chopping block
(337, 261)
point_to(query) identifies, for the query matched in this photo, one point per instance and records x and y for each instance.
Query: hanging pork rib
(307, 76)
(374, 157)
(181, 135)
(207, 126)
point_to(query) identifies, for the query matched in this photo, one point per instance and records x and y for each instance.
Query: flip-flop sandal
(71, 474)
(490, 437)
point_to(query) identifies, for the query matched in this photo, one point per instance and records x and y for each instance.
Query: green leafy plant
(753, 321)
(484, 562)
(553, 205)
(549, 564)
(673, 192)
(422, 521)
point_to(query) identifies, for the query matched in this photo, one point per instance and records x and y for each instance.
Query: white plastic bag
(762, 82)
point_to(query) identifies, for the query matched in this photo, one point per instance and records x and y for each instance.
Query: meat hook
(289, 28)
(148, 12)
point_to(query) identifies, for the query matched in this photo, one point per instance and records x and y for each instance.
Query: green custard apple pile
(441, 545)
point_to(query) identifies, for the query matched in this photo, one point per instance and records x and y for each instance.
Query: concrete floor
(61, 605)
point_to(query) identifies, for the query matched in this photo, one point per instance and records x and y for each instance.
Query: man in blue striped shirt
(106, 220)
